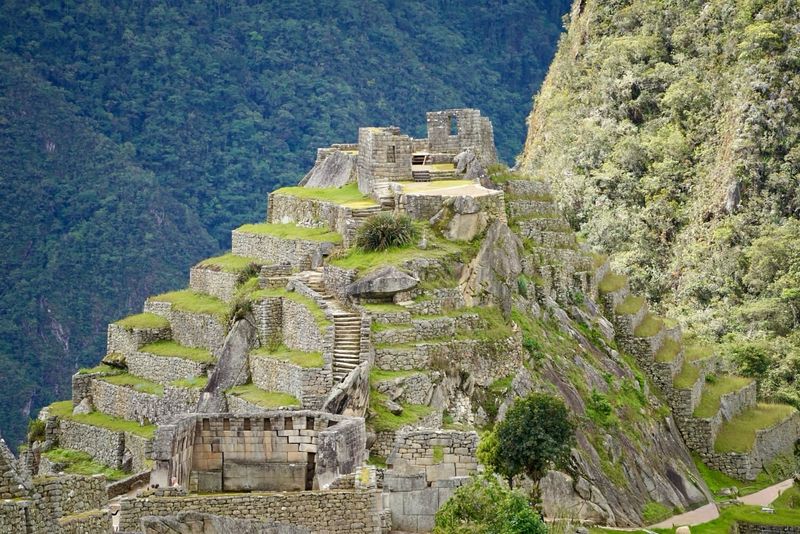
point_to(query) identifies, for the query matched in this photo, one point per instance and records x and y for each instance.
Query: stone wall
(440, 454)
(416, 388)
(295, 252)
(13, 514)
(300, 328)
(94, 522)
(70, 494)
(472, 131)
(745, 527)
(214, 282)
(163, 369)
(275, 450)
(127, 403)
(123, 341)
(323, 512)
(310, 385)
(413, 502)
(203, 330)
(104, 445)
(268, 313)
(384, 155)
(307, 212)
(337, 279)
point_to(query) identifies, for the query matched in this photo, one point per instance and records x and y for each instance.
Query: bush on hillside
(384, 231)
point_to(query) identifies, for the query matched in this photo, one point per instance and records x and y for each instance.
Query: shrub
(598, 408)
(36, 430)
(533, 347)
(384, 231)
(522, 286)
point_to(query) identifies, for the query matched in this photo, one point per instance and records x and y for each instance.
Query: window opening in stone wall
(246, 424)
(391, 154)
(267, 424)
(206, 424)
(453, 126)
(288, 424)
(226, 424)
(310, 469)
(310, 423)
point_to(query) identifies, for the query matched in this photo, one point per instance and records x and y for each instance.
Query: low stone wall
(214, 282)
(323, 512)
(127, 484)
(163, 369)
(95, 522)
(307, 212)
(12, 516)
(413, 503)
(421, 329)
(525, 208)
(337, 279)
(413, 389)
(310, 385)
(438, 301)
(203, 330)
(106, 446)
(123, 341)
(745, 527)
(540, 188)
(295, 252)
(70, 494)
(440, 454)
(300, 328)
(127, 403)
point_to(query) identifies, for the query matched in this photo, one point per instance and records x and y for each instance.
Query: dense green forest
(671, 132)
(135, 135)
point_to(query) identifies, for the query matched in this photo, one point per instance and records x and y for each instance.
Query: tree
(535, 436)
(486, 506)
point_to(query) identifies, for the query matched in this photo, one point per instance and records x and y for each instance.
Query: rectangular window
(391, 154)
(453, 126)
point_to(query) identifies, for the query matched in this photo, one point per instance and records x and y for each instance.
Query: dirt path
(767, 495)
(695, 517)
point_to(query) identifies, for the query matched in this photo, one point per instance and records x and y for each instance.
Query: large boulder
(336, 170)
(383, 283)
(233, 368)
(351, 395)
(490, 278)
(464, 219)
(469, 166)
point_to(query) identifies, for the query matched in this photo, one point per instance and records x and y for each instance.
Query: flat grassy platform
(230, 263)
(81, 463)
(196, 382)
(308, 360)
(696, 350)
(266, 399)
(63, 409)
(292, 231)
(713, 392)
(172, 349)
(739, 434)
(143, 321)
(668, 351)
(319, 314)
(193, 302)
(101, 368)
(437, 248)
(687, 377)
(142, 385)
(348, 195)
(612, 282)
(630, 305)
(649, 326)
(383, 420)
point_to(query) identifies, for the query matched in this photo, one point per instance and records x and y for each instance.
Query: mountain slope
(670, 133)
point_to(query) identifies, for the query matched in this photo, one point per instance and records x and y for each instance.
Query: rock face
(492, 274)
(351, 396)
(197, 523)
(463, 218)
(469, 166)
(232, 368)
(336, 170)
(383, 283)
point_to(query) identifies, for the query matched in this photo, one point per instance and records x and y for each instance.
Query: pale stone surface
(382, 283)
(335, 170)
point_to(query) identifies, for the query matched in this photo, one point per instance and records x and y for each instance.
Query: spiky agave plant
(385, 230)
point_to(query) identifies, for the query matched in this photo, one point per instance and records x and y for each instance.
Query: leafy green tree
(485, 506)
(535, 436)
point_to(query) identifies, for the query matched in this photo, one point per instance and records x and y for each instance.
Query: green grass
(138, 383)
(312, 307)
(630, 305)
(102, 368)
(612, 282)
(291, 231)
(687, 377)
(716, 480)
(143, 321)
(348, 195)
(713, 392)
(653, 512)
(266, 399)
(789, 499)
(385, 307)
(739, 434)
(297, 357)
(383, 327)
(649, 326)
(495, 326)
(438, 454)
(437, 248)
(230, 263)
(196, 382)
(63, 409)
(668, 351)
(173, 349)
(698, 351)
(81, 463)
(194, 302)
(381, 419)
(381, 375)
(377, 460)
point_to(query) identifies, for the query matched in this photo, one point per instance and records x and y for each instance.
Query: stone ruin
(253, 400)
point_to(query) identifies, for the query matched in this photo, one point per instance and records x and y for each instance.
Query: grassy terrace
(194, 302)
(380, 375)
(63, 409)
(171, 349)
(649, 326)
(383, 420)
(687, 377)
(668, 351)
(385, 307)
(196, 382)
(143, 321)
(102, 368)
(713, 392)
(266, 399)
(698, 351)
(630, 305)
(438, 248)
(303, 359)
(80, 463)
(138, 383)
(348, 195)
(739, 434)
(230, 263)
(309, 303)
(291, 231)
(612, 282)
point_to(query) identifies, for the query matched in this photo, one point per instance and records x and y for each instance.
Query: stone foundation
(201, 330)
(217, 283)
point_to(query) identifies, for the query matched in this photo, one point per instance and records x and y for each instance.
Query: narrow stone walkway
(768, 495)
(695, 517)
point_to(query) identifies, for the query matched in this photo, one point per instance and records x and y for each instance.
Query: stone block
(440, 471)
(209, 481)
(421, 502)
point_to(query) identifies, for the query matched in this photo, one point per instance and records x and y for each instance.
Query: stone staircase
(346, 343)
(421, 176)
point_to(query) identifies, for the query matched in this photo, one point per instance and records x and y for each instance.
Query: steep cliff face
(669, 131)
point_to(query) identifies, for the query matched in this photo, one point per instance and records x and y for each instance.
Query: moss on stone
(739, 434)
(172, 349)
(713, 391)
(266, 399)
(382, 420)
(143, 321)
(194, 302)
(63, 409)
(296, 357)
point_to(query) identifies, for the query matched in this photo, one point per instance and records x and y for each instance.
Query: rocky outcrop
(232, 368)
(469, 166)
(336, 170)
(351, 396)
(491, 277)
(197, 523)
(382, 284)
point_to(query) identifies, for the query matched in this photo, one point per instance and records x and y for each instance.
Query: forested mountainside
(670, 132)
(135, 135)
